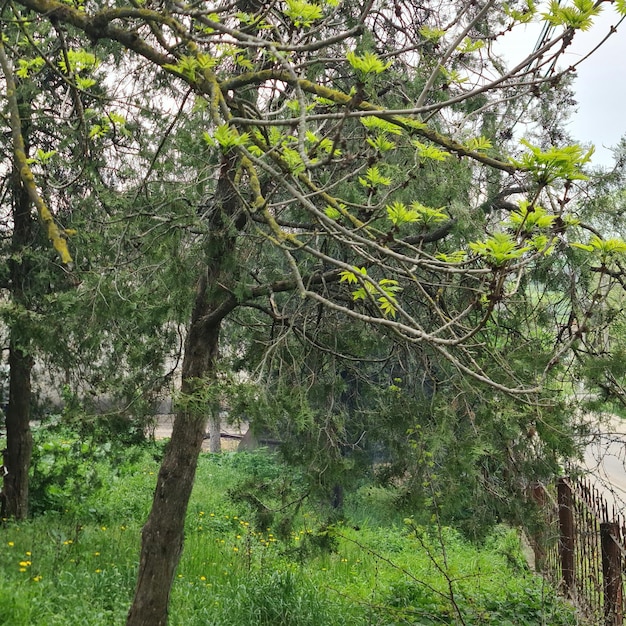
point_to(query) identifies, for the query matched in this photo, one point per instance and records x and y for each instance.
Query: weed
(76, 564)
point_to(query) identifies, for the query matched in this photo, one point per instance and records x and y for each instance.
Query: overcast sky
(600, 84)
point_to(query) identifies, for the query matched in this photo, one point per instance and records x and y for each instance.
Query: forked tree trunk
(19, 438)
(163, 534)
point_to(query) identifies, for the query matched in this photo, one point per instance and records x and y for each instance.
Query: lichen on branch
(55, 234)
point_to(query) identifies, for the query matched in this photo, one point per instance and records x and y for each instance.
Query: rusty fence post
(611, 574)
(538, 537)
(566, 534)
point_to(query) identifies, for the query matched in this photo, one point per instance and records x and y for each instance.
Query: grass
(78, 566)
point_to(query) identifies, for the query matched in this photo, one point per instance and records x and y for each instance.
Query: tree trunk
(19, 438)
(163, 534)
(19, 450)
(215, 432)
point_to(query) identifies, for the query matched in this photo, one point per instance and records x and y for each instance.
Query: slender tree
(24, 283)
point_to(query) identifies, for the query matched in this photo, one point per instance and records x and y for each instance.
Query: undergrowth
(259, 551)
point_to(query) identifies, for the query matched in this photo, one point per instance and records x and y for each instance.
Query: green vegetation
(350, 224)
(78, 565)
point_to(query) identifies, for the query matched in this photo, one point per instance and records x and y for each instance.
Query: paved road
(605, 458)
(163, 430)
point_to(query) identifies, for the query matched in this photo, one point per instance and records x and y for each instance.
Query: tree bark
(18, 454)
(163, 534)
(215, 432)
(19, 450)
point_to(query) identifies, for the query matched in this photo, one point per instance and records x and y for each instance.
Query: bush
(69, 470)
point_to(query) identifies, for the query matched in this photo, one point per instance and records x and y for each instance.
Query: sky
(600, 84)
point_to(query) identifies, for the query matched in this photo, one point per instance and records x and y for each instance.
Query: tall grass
(78, 567)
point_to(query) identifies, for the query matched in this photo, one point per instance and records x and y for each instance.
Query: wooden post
(538, 538)
(566, 534)
(611, 574)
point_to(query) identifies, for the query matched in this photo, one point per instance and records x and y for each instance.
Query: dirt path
(164, 424)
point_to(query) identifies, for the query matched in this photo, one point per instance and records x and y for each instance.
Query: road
(605, 459)
(163, 430)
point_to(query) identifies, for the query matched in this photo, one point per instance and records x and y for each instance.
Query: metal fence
(581, 546)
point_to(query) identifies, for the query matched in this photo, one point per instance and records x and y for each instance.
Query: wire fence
(581, 547)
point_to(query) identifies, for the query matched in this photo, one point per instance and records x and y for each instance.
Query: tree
(321, 122)
(26, 280)
(68, 153)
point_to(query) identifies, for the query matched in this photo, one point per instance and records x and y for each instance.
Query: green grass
(78, 565)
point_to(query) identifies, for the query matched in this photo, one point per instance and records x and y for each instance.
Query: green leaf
(470, 45)
(544, 244)
(479, 144)
(555, 163)
(302, 13)
(581, 246)
(85, 83)
(226, 137)
(388, 306)
(432, 34)
(188, 66)
(324, 144)
(332, 212)
(294, 105)
(388, 302)
(244, 62)
(41, 156)
(369, 63)
(429, 215)
(293, 159)
(29, 66)
(350, 277)
(78, 60)
(430, 152)
(522, 16)
(374, 178)
(99, 130)
(398, 214)
(529, 218)
(607, 248)
(116, 118)
(453, 76)
(377, 123)
(499, 249)
(454, 257)
(579, 16)
(570, 220)
(380, 143)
